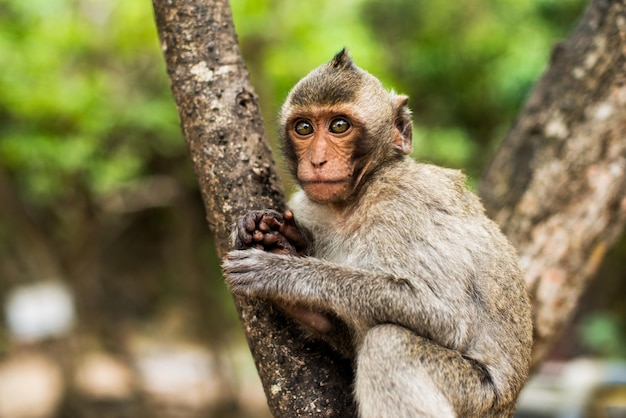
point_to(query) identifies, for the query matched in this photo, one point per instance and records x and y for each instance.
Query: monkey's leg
(400, 374)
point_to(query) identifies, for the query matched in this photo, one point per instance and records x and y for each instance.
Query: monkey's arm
(359, 297)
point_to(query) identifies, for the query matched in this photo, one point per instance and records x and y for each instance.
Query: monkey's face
(326, 142)
(338, 125)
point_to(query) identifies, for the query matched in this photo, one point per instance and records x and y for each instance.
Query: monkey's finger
(249, 222)
(270, 238)
(272, 222)
(257, 236)
(243, 236)
(289, 223)
(290, 230)
(283, 246)
(263, 226)
(279, 250)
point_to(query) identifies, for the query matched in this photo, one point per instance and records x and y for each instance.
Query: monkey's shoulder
(416, 203)
(412, 186)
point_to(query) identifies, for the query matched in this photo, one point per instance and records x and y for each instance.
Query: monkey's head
(338, 126)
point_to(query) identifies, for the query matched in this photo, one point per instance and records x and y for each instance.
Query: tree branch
(557, 184)
(221, 122)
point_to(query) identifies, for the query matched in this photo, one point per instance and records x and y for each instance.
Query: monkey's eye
(339, 126)
(304, 128)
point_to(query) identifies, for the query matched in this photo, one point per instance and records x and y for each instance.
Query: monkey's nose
(318, 164)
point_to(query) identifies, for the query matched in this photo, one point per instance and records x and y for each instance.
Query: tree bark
(221, 122)
(557, 184)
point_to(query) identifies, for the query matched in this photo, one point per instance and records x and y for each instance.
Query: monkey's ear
(403, 128)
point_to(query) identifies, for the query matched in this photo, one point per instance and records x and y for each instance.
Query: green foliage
(283, 40)
(84, 99)
(603, 333)
(467, 69)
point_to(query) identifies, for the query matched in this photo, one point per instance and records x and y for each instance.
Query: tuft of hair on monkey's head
(342, 59)
(339, 81)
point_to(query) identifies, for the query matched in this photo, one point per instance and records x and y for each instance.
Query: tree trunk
(221, 122)
(557, 184)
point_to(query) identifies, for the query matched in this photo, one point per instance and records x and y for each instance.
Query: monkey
(398, 255)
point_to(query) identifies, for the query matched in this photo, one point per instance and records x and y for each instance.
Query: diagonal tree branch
(557, 184)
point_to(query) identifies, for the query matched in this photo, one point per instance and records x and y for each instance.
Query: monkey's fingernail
(250, 224)
(257, 236)
(270, 239)
(275, 224)
(263, 227)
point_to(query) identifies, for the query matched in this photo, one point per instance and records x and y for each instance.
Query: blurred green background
(97, 194)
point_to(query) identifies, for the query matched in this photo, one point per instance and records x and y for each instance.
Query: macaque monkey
(392, 262)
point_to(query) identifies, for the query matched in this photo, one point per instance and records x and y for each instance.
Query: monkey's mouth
(324, 191)
(314, 182)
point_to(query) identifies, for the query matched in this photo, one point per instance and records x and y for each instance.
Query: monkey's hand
(242, 276)
(269, 231)
(246, 272)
